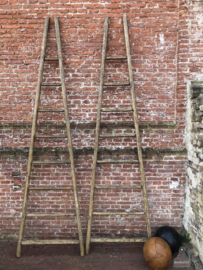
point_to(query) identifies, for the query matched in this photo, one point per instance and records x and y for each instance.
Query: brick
(159, 80)
(4, 2)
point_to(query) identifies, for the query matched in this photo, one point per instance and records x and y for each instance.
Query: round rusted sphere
(157, 253)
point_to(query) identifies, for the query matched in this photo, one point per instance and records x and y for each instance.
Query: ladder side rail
(97, 134)
(70, 147)
(127, 43)
(32, 139)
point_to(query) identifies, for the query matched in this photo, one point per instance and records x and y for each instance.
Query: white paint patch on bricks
(174, 184)
(162, 42)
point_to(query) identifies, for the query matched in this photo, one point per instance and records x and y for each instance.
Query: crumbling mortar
(91, 125)
(16, 151)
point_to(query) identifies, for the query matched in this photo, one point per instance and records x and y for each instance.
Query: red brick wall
(161, 59)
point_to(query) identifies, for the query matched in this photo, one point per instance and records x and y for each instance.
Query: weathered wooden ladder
(30, 158)
(95, 160)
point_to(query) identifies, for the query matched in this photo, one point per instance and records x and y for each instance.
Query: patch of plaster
(174, 184)
(188, 210)
(192, 177)
(162, 41)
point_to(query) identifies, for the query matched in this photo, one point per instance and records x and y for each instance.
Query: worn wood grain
(50, 136)
(127, 43)
(117, 161)
(117, 135)
(50, 242)
(32, 139)
(51, 84)
(51, 59)
(117, 84)
(50, 110)
(97, 135)
(68, 130)
(117, 110)
(50, 188)
(116, 57)
(117, 213)
(52, 162)
(118, 187)
(33, 136)
(131, 83)
(50, 214)
(120, 240)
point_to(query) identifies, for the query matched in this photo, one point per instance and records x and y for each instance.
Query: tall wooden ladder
(30, 157)
(95, 159)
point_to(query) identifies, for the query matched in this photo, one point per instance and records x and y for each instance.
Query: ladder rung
(115, 57)
(118, 187)
(132, 240)
(116, 84)
(117, 135)
(50, 188)
(50, 110)
(50, 215)
(118, 110)
(117, 161)
(52, 241)
(51, 59)
(52, 162)
(49, 136)
(117, 213)
(51, 84)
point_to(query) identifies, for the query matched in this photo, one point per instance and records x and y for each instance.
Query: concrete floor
(55, 257)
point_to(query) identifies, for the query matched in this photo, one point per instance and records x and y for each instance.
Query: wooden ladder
(95, 160)
(30, 157)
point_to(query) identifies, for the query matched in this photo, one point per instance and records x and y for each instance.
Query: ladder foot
(82, 253)
(87, 251)
(18, 252)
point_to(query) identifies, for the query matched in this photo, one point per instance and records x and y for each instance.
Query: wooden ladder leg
(127, 43)
(88, 239)
(70, 147)
(34, 126)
